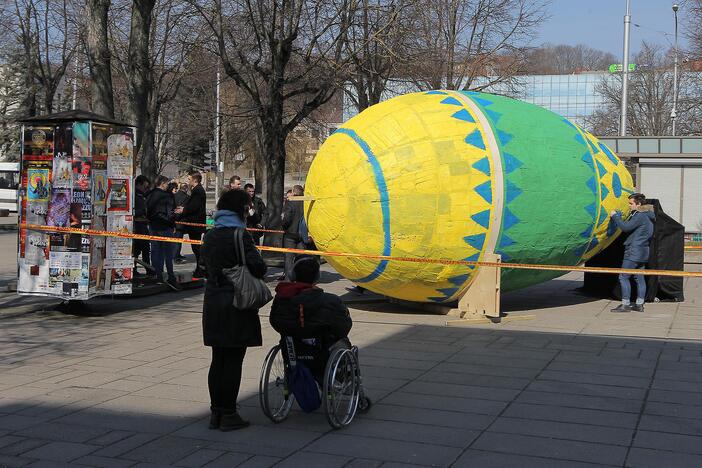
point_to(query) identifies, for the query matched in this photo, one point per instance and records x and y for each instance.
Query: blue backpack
(302, 231)
(302, 382)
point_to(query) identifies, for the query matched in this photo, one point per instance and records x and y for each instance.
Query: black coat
(292, 214)
(159, 209)
(300, 310)
(194, 210)
(222, 324)
(141, 223)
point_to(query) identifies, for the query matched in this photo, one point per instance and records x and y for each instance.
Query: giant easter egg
(453, 175)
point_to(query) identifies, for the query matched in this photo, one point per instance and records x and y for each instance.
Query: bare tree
(287, 56)
(99, 57)
(472, 44)
(650, 99)
(564, 59)
(379, 40)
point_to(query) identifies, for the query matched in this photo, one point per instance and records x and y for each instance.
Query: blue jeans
(163, 252)
(625, 282)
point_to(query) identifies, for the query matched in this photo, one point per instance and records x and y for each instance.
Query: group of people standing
(168, 210)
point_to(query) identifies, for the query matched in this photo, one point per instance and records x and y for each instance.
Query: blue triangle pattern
(511, 192)
(605, 192)
(436, 92)
(593, 244)
(601, 168)
(505, 257)
(483, 165)
(448, 292)
(580, 251)
(593, 148)
(587, 232)
(476, 241)
(504, 137)
(485, 191)
(506, 241)
(452, 101)
(616, 185)
(495, 116)
(482, 218)
(587, 157)
(511, 162)
(508, 219)
(609, 154)
(459, 280)
(476, 139)
(464, 115)
(592, 185)
(437, 299)
(592, 209)
(482, 101)
(473, 258)
(570, 123)
(579, 138)
(603, 217)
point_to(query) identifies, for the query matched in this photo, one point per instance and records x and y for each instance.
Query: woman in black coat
(227, 330)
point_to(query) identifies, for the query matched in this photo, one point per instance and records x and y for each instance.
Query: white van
(9, 182)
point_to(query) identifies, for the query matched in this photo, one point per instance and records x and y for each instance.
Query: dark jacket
(292, 214)
(194, 210)
(260, 216)
(159, 210)
(639, 226)
(181, 198)
(141, 223)
(303, 310)
(222, 324)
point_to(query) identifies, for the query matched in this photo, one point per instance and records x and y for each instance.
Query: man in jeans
(639, 227)
(160, 208)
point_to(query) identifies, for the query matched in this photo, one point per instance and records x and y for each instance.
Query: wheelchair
(336, 370)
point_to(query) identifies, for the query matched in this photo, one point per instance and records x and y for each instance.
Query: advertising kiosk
(76, 171)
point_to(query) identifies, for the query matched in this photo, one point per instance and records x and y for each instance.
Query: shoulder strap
(239, 245)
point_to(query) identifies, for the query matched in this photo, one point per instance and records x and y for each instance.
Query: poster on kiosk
(77, 171)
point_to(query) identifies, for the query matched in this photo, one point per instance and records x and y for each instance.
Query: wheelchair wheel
(274, 395)
(341, 388)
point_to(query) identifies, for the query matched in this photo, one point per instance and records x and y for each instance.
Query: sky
(600, 23)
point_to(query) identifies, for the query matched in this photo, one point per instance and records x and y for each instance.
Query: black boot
(215, 420)
(622, 308)
(232, 422)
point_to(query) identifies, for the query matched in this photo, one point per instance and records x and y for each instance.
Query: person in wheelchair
(305, 312)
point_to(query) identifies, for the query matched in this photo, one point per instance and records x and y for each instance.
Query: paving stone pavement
(573, 386)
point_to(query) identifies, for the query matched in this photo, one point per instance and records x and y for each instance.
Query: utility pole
(625, 70)
(218, 172)
(674, 112)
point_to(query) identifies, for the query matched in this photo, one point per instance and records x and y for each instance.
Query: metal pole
(625, 70)
(218, 175)
(674, 112)
(75, 85)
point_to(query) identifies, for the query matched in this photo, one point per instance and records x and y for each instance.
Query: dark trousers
(196, 247)
(224, 378)
(290, 243)
(179, 234)
(162, 252)
(142, 247)
(625, 282)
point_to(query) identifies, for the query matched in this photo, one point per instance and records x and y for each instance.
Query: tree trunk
(140, 84)
(99, 58)
(274, 150)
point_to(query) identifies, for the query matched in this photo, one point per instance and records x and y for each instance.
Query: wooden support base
(481, 301)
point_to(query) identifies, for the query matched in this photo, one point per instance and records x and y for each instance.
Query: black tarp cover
(667, 253)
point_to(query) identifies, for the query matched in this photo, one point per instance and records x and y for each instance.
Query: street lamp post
(674, 112)
(625, 69)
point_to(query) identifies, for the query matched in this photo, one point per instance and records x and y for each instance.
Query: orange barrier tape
(693, 247)
(184, 223)
(440, 261)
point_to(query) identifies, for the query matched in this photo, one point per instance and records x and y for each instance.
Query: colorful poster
(81, 140)
(65, 280)
(81, 174)
(119, 223)
(61, 175)
(37, 248)
(37, 213)
(38, 143)
(59, 208)
(99, 152)
(118, 195)
(120, 150)
(99, 187)
(37, 185)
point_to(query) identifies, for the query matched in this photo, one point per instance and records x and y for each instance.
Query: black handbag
(249, 292)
